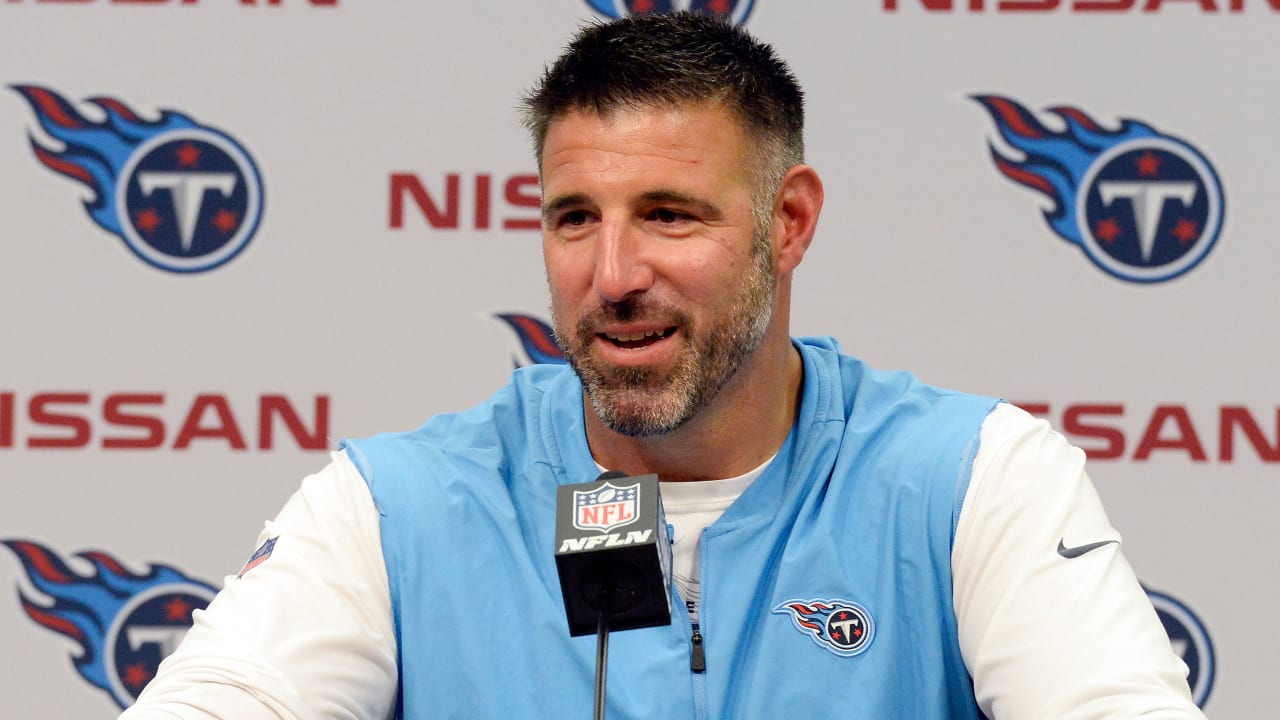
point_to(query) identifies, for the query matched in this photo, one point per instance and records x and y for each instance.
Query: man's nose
(622, 261)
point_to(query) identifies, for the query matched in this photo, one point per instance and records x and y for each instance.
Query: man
(849, 543)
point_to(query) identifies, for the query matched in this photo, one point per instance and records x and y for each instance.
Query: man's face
(661, 286)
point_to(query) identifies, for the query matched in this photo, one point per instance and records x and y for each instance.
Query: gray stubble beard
(643, 402)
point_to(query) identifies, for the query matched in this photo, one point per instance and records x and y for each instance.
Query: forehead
(697, 138)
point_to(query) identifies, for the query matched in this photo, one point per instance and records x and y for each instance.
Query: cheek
(561, 280)
(713, 277)
(566, 284)
(568, 269)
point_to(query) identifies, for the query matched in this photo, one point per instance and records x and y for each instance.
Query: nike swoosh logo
(1077, 551)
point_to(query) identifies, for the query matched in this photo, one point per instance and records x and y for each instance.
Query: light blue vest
(858, 510)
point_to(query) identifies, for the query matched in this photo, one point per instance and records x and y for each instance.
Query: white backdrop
(349, 311)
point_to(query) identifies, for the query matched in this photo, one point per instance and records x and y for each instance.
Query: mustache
(631, 309)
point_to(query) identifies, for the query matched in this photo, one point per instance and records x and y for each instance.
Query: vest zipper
(697, 658)
(697, 653)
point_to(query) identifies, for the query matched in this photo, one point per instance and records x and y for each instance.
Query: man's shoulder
(865, 389)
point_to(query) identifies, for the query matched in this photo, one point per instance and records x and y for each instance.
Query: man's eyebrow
(556, 204)
(703, 207)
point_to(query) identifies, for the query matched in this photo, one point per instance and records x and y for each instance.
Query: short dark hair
(670, 59)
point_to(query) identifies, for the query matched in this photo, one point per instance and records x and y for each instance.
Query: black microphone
(613, 553)
(614, 560)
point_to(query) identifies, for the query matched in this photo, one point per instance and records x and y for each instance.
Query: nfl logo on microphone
(605, 507)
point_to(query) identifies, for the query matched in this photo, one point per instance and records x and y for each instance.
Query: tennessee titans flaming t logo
(840, 627)
(124, 623)
(1144, 206)
(734, 11)
(184, 197)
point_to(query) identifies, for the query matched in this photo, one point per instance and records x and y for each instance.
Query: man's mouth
(637, 339)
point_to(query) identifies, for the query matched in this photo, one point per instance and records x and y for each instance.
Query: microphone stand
(602, 654)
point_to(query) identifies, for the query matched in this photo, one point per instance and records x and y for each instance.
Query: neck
(744, 425)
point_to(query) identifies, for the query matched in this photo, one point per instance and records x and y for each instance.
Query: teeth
(633, 337)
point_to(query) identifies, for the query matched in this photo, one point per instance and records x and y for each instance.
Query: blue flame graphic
(536, 337)
(184, 197)
(94, 152)
(85, 608)
(1055, 162)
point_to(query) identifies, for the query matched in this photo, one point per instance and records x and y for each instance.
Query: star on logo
(188, 155)
(225, 221)
(1148, 164)
(147, 220)
(136, 675)
(1107, 230)
(177, 609)
(1186, 231)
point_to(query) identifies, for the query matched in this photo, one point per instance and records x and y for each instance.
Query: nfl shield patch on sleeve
(259, 556)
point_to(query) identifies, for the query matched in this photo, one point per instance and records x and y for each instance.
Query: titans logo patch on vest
(841, 627)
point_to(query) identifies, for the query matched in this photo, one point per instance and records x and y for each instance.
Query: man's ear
(795, 216)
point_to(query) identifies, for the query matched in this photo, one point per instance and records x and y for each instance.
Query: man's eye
(576, 218)
(667, 216)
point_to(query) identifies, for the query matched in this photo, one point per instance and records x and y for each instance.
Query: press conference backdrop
(236, 231)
